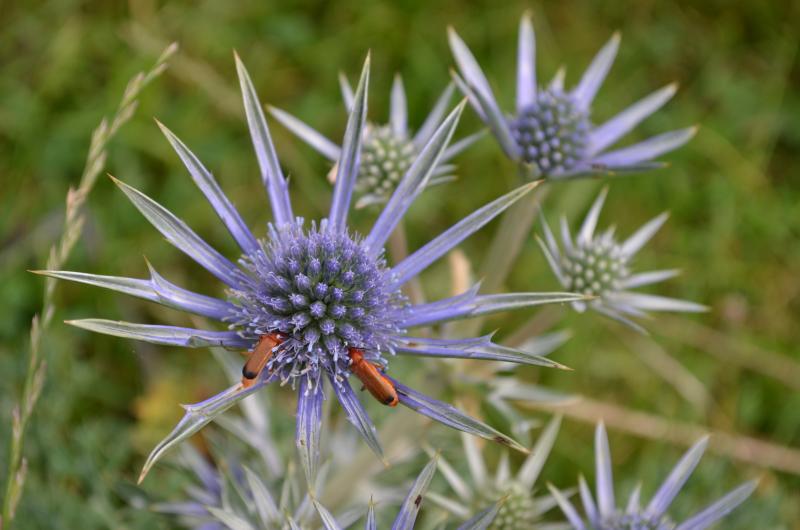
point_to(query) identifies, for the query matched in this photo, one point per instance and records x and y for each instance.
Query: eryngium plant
(412, 504)
(599, 266)
(387, 150)
(551, 132)
(232, 495)
(604, 514)
(323, 289)
(519, 507)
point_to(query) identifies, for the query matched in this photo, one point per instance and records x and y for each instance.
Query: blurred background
(733, 193)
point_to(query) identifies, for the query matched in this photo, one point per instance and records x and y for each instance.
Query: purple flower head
(551, 133)
(604, 514)
(325, 294)
(387, 150)
(320, 287)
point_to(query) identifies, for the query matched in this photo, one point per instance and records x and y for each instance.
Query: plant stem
(59, 253)
(780, 367)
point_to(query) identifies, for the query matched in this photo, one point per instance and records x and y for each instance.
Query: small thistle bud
(519, 509)
(385, 158)
(598, 265)
(552, 132)
(595, 267)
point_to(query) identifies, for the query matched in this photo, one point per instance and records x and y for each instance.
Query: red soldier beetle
(380, 386)
(258, 358)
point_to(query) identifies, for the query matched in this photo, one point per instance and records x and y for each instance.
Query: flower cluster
(323, 290)
(318, 307)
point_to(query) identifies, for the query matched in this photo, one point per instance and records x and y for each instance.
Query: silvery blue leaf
(168, 335)
(349, 158)
(196, 417)
(607, 134)
(230, 520)
(719, 509)
(414, 180)
(308, 134)
(328, 521)
(156, 289)
(398, 113)
(567, 507)
(413, 501)
(634, 243)
(533, 464)
(647, 149)
(208, 185)
(265, 505)
(431, 123)
(677, 478)
(483, 519)
(486, 350)
(370, 523)
(357, 415)
(309, 427)
(271, 173)
(443, 243)
(526, 64)
(347, 92)
(605, 481)
(596, 73)
(452, 417)
(461, 145)
(181, 236)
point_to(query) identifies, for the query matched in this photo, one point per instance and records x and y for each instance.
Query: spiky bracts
(549, 132)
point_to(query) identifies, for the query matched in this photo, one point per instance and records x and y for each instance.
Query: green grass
(733, 193)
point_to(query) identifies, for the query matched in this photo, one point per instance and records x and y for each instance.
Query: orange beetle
(378, 384)
(258, 358)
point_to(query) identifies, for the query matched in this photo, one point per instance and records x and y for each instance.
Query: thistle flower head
(319, 291)
(604, 514)
(325, 294)
(596, 267)
(550, 132)
(517, 506)
(385, 158)
(387, 150)
(600, 266)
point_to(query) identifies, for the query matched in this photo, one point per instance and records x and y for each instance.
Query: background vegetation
(733, 193)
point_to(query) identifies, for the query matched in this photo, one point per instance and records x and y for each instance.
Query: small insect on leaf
(258, 358)
(374, 381)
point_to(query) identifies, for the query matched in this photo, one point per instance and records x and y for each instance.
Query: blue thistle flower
(552, 134)
(323, 289)
(599, 266)
(387, 150)
(604, 514)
